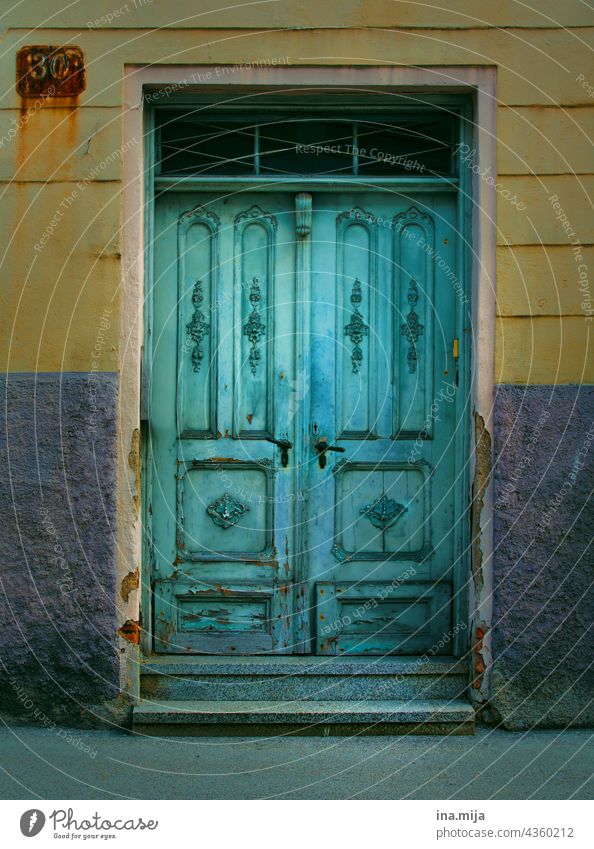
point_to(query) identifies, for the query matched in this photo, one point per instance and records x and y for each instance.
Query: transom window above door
(197, 143)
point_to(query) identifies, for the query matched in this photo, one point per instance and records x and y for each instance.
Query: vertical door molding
(356, 320)
(413, 296)
(197, 329)
(253, 320)
(303, 224)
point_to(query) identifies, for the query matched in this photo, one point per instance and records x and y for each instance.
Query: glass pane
(418, 146)
(189, 146)
(306, 146)
(201, 144)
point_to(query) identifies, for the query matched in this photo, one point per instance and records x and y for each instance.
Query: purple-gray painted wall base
(58, 644)
(57, 542)
(544, 560)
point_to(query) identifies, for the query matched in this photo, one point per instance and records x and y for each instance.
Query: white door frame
(136, 245)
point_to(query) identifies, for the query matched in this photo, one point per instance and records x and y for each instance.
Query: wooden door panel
(356, 326)
(226, 585)
(414, 311)
(226, 510)
(191, 617)
(382, 618)
(198, 235)
(383, 511)
(254, 329)
(247, 550)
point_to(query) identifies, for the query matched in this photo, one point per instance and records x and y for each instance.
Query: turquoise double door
(303, 486)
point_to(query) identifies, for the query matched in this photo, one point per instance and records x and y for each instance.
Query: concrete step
(371, 716)
(297, 678)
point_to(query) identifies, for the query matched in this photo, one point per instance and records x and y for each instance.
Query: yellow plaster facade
(60, 162)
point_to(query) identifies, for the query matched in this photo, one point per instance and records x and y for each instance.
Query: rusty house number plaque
(50, 71)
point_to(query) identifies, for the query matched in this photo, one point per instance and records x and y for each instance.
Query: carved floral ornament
(412, 329)
(416, 216)
(254, 328)
(254, 213)
(226, 511)
(354, 215)
(383, 512)
(356, 329)
(198, 328)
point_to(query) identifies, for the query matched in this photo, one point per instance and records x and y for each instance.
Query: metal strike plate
(45, 71)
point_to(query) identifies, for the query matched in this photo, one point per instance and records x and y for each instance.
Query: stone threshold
(303, 665)
(412, 716)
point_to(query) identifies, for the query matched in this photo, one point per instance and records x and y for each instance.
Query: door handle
(284, 446)
(322, 448)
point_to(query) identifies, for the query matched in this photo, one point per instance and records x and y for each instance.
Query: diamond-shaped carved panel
(226, 511)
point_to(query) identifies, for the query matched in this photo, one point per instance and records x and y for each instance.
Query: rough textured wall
(545, 80)
(57, 545)
(544, 559)
(51, 299)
